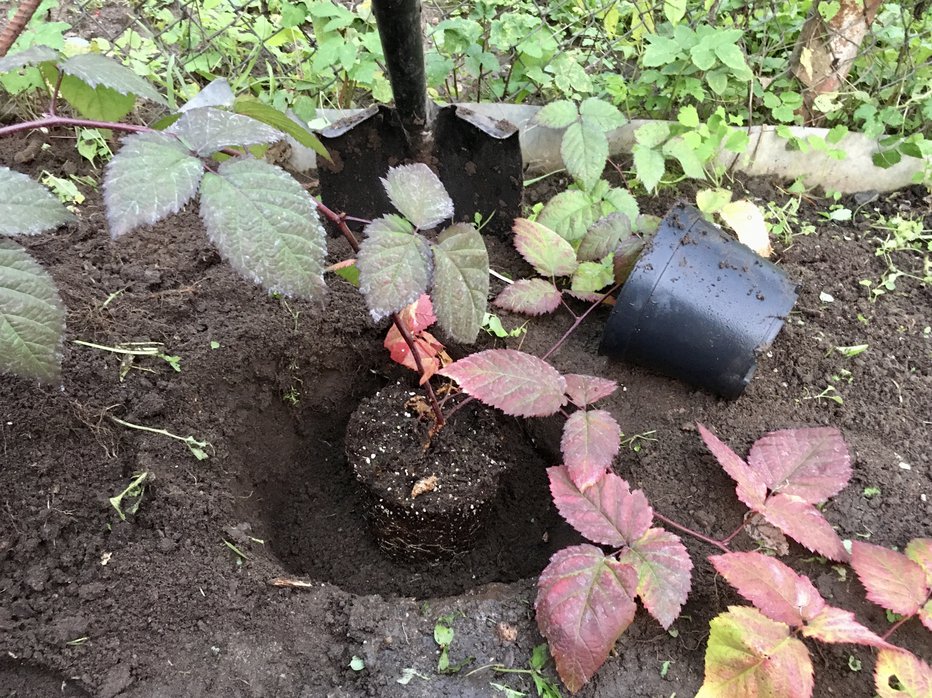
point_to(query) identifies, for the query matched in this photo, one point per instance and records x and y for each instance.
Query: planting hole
(300, 496)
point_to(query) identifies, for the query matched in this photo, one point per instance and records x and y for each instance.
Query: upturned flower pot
(698, 306)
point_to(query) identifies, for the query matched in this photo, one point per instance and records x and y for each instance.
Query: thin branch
(50, 121)
(578, 322)
(53, 105)
(340, 222)
(689, 531)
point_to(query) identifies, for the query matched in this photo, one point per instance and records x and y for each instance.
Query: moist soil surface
(183, 598)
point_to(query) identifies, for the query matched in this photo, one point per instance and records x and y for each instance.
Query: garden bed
(162, 604)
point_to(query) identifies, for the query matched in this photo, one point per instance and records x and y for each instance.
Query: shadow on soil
(295, 480)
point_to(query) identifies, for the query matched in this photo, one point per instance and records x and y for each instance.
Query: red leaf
(813, 464)
(516, 383)
(419, 315)
(585, 601)
(919, 550)
(773, 587)
(416, 317)
(608, 512)
(584, 390)
(751, 656)
(664, 578)
(591, 440)
(530, 296)
(543, 249)
(913, 676)
(838, 626)
(805, 524)
(892, 580)
(751, 489)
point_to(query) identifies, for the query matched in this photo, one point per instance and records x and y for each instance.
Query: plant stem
(340, 222)
(578, 322)
(53, 104)
(50, 120)
(695, 534)
(731, 536)
(894, 627)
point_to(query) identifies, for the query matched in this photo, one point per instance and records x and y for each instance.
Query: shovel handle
(399, 23)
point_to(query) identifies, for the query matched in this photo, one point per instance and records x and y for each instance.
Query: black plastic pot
(698, 306)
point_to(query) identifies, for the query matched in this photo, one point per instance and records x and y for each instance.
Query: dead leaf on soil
(767, 536)
(423, 486)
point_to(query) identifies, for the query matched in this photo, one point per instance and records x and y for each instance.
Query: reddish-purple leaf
(530, 297)
(919, 550)
(913, 677)
(838, 626)
(773, 587)
(543, 249)
(516, 383)
(805, 524)
(591, 440)
(584, 390)
(925, 615)
(813, 464)
(664, 578)
(751, 656)
(585, 601)
(608, 512)
(892, 580)
(751, 489)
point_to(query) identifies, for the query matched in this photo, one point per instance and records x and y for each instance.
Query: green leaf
(886, 158)
(660, 51)
(419, 194)
(836, 133)
(259, 111)
(603, 237)
(703, 55)
(718, 82)
(674, 10)
(217, 93)
(652, 134)
(207, 130)
(265, 225)
(688, 116)
(395, 266)
(569, 214)
(750, 655)
(621, 201)
(543, 249)
(584, 150)
(737, 141)
(559, 114)
(26, 207)
(96, 103)
(731, 55)
(152, 176)
(461, 282)
(32, 317)
(686, 156)
(649, 166)
(29, 57)
(711, 200)
(603, 114)
(590, 277)
(94, 70)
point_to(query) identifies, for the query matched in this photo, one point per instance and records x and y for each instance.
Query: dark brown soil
(428, 494)
(160, 605)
